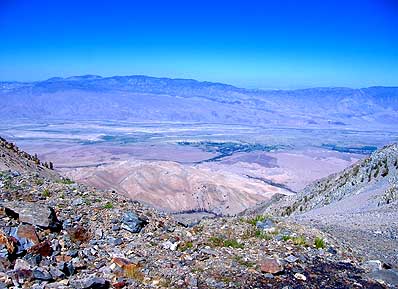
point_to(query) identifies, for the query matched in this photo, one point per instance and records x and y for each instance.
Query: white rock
(170, 245)
(21, 264)
(299, 276)
(98, 233)
(373, 265)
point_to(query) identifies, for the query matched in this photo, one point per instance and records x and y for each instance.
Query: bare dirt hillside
(176, 187)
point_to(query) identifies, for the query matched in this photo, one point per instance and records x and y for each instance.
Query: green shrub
(219, 242)
(300, 240)
(65, 181)
(319, 243)
(262, 235)
(253, 221)
(46, 193)
(108, 205)
(216, 241)
(233, 244)
(185, 246)
(243, 262)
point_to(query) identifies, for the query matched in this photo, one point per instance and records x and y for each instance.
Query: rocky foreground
(58, 234)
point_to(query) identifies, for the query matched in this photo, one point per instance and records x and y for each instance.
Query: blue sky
(263, 44)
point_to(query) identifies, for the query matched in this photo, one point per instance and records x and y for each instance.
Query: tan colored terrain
(175, 178)
(178, 187)
(293, 169)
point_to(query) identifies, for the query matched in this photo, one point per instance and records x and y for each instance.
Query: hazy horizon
(199, 80)
(252, 44)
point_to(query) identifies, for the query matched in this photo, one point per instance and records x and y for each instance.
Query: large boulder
(132, 223)
(35, 214)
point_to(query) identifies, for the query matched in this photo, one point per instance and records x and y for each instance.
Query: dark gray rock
(3, 252)
(117, 241)
(265, 225)
(77, 202)
(72, 253)
(332, 250)
(15, 174)
(32, 259)
(389, 276)
(132, 223)
(69, 269)
(291, 259)
(34, 214)
(23, 243)
(90, 283)
(56, 273)
(42, 274)
(66, 268)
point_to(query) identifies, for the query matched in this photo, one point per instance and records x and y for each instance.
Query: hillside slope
(359, 205)
(14, 159)
(177, 187)
(375, 176)
(65, 235)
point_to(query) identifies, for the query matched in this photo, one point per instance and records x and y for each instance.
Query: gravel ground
(373, 234)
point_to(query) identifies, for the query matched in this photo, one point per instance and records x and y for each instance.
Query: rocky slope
(58, 234)
(359, 205)
(377, 174)
(12, 158)
(373, 180)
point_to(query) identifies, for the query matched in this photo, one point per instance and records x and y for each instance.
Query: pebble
(271, 265)
(291, 259)
(300, 276)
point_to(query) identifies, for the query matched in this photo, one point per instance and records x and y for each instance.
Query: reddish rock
(121, 262)
(271, 265)
(28, 232)
(119, 285)
(9, 242)
(130, 269)
(44, 249)
(79, 234)
(63, 258)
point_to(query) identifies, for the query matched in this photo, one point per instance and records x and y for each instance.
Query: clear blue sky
(264, 44)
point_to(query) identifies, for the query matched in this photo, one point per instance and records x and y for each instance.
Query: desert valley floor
(178, 167)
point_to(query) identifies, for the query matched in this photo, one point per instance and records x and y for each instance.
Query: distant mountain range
(143, 98)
